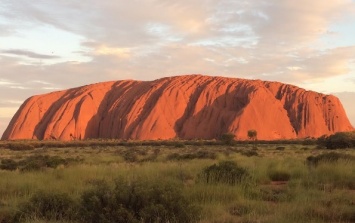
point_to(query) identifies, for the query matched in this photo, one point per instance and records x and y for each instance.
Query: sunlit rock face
(185, 107)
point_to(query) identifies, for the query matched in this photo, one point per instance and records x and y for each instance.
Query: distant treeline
(337, 141)
(32, 144)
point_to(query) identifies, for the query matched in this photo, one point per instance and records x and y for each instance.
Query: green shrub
(227, 138)
(137, 202)
(36, 162)
(8, 164)
(252, 134)
(339, 140)
(99, 205)
(132, 155)
(8, 215)
(249, 153)
(179, 145)
(173, 156)
(227, 172)
(20, 146)
(190, 156)
(320, 147)
(280, 148)
(328, 157)
(309, 141)
(50, 206)
(275, 194)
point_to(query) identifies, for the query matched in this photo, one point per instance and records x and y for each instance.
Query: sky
(50, 45)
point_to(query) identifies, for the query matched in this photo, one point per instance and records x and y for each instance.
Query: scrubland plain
(176, 183)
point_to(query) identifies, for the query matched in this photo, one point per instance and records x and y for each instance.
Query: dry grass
(321, 193)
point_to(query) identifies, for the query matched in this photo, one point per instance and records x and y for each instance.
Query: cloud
(351, 79)
(64, 75)
(5, 82)
(296, 22)
(6, 103)
(318, 65)
(126, 24)
(29, 54)
(120, 24)
(118, 52)
(5, 30)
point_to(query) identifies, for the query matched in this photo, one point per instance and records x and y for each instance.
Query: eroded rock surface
(186, 107)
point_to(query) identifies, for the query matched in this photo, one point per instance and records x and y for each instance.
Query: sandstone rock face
(186, 107)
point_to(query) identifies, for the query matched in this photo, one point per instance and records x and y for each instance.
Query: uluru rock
(186, 107)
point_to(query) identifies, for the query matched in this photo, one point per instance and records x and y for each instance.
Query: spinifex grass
(280, 185)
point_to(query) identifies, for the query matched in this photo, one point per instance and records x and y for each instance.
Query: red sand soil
(186, 107)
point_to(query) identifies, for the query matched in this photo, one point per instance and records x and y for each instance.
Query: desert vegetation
(182, 181)
(339, 140)
(252, 134)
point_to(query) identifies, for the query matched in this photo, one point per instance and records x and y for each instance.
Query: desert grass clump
(50, 207)
(329, 158)
(20, 146)
(8, 164)
(189, 156)
(130, 202)
(239, 209)
(227, 172)
(8, 215)
(130, 156)
(134, 154)
(227, 138)
(339, 140)
(36, 162)
(279, 175)
(249, 153)
(280, 148)
(275, 194)
(179, 144)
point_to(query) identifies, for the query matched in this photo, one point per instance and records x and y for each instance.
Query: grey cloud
(329, 63)
(61, 75)
(290, 22)
(123, 23)
(272, 24)
(298, 66)
(29, 54)
(90, 44)
(5, 30)
(115, 23)
(9, 103)
(19, 92)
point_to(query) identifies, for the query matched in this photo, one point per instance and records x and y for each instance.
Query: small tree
(227, 138)
(252, 134)
(339, 140)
